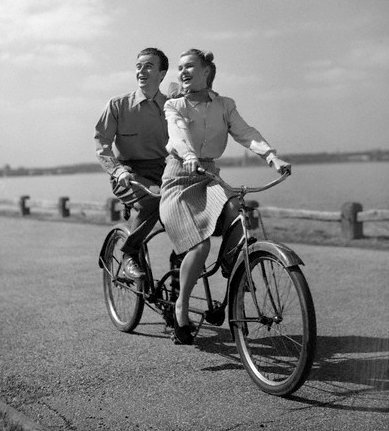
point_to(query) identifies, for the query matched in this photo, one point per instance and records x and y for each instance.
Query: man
(130, 141)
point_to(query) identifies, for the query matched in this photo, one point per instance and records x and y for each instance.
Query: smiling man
(130, 137)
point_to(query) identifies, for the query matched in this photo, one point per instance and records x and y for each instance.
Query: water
(317, 187)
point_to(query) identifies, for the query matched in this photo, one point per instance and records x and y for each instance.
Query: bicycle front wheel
(274, 324)
(123, 298)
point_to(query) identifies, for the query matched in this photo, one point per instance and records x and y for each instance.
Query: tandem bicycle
(267, 299)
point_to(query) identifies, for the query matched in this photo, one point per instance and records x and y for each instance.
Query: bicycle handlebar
(145, 189)
(241, 189)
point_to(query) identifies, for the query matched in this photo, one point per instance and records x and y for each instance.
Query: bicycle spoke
(124, 302)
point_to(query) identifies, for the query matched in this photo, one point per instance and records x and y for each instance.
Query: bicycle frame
(271, 313)
(248, 245)
(240, 260)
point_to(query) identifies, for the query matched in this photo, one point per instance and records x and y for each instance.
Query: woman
(199, 122)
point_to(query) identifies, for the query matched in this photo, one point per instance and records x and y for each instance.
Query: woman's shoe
(192, 326)
(182, 334)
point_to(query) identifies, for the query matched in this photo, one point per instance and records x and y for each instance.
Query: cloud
(112, 83)
(237, 79)
(46, 55)
(8, 106)
(227, 35)
(333, 74)
(50, 31)
(327, 80)
(64, 105)
(370, 54)
(71, 21)
(279, 94)
(363, 67)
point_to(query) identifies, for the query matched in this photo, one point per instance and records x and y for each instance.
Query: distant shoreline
(245, 160)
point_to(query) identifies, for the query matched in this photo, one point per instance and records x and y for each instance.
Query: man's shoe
(131, 267)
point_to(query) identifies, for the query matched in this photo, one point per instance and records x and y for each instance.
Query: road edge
(13, 417)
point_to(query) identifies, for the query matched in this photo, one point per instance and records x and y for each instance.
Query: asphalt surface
(65, 367)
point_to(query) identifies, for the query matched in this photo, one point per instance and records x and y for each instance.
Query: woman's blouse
(201, 128)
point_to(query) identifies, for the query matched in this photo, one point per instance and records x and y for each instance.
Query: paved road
(64, 365)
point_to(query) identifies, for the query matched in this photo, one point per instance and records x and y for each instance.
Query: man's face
(148, 74)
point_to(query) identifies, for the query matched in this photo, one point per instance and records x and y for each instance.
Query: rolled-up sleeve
(105, 131)
(246, 135)
(180, 140)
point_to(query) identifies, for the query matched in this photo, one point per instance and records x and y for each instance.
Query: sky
(310, 75)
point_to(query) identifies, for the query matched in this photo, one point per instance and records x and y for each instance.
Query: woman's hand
(191, 163)
(281, 166)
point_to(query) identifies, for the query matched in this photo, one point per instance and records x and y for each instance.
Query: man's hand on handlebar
(154, 189)
(124, 179)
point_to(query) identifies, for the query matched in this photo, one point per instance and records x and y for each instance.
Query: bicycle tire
(277, 353)
(124, 300)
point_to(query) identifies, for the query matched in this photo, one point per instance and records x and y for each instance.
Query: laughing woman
(199, 121)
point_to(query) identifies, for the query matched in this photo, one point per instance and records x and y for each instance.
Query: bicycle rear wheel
(123, 298)
(277, 345)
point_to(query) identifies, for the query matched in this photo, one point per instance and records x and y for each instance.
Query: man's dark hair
(163, 60)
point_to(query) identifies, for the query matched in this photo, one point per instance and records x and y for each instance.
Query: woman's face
(192, 74)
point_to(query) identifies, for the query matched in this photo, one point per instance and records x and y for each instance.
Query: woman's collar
(198, 96)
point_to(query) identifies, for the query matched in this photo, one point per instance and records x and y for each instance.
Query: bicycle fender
(285, 254)
(120, 226)
(282, 252)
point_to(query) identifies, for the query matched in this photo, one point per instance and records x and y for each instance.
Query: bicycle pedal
(215, 317)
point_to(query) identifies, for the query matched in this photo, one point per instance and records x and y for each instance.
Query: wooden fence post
(24, 208)
(63, 208)
(351, 228)
(112, 213)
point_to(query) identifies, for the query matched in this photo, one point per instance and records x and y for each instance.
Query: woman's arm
(180, 140)
(250, 138)
(246, 135)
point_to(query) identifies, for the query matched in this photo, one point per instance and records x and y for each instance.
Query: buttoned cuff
(270, 157)
(118, 171)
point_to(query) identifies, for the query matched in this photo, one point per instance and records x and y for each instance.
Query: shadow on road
(355, 371)
(349, 372)
(346, 368)
(353, 359)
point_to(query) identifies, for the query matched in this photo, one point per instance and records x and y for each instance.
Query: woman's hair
(206, 58)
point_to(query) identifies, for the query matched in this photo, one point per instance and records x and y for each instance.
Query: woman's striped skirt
(190, 204)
